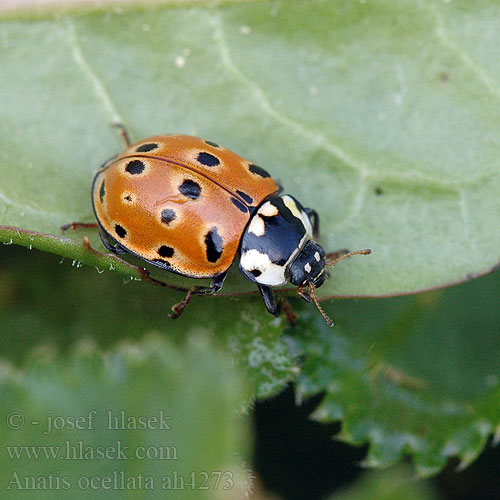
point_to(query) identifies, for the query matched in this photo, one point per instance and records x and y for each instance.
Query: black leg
(112, 247)
(215, 286)
(303, 293)
(313, 215)
(269, 301)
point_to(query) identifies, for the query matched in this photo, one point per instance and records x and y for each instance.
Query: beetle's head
(309, 266)
(308, 271)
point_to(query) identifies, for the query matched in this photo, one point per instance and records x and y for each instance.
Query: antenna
(350, 254)
(312, 288)
(312, 293)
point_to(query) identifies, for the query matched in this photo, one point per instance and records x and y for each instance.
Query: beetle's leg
(123, 134)
(314, 217)
(289, 312)
(78, 225)
(269, 301)
(303, 294)
(215, 286)
(106, 241)
(178, 308)
(275, 308)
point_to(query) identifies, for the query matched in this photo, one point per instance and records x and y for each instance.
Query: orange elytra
(179, 202)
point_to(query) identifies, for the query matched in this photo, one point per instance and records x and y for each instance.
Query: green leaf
(417, 376)
(140, 420)
(381, 115)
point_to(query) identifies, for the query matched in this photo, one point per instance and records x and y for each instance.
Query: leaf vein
(270, 110)
(92, 76)
(319, 138)
(447, 40)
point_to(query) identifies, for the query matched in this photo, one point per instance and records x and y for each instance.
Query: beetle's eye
(320, 278)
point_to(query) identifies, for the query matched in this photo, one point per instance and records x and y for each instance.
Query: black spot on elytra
(165, 251)
(213, 144)
(144, 148)
(255, 169)
(128, 197)
(168, 215)
(190, 189)
(239, 205)
(255, 272)
(102, 191)
(208, 160)
(245, 196)
(135, 167)
(120, 231)
(214, 244)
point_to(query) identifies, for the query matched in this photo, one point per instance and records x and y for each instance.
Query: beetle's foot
(177, 309)
(303, 293)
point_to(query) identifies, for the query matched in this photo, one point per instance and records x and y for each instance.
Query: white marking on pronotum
(307, 224)
(257, 226)
(268, 209)
(292, 206)
(302, 216)
(271, 273)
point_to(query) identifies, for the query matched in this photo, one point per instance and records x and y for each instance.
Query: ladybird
(190, 206)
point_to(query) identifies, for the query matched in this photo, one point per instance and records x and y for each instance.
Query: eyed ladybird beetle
(189, 206)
